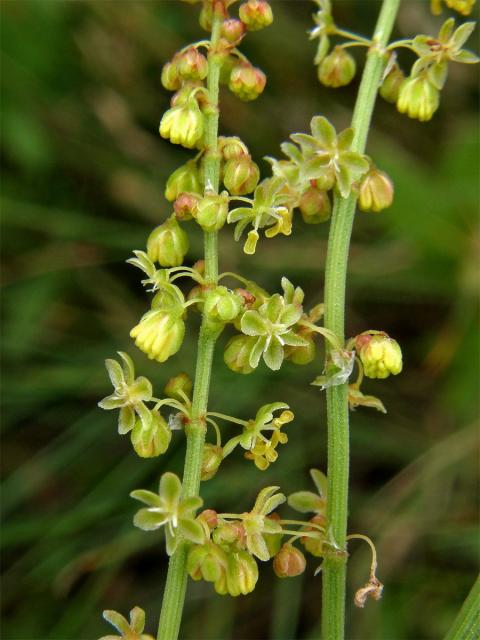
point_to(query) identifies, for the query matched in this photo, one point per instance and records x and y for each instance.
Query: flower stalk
(334, 568)
(175, 588)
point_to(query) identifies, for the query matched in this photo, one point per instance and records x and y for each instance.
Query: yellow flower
(159, 334)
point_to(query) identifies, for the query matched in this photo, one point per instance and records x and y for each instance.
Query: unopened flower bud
(183, 179)
(170, 78)
(222, 305)
(391, 85)
(210, 517)
(375, 191)
(418, 98)
(241, 175)
(206, 562)
(379, 354)
(153, 440)
(247, 82)
(183, 124)
(315, 546)
(337, 69)
(159, 334)
(230, 533)
(211, 460)
(212, 211)
(289, 562)
(179, 386)
(242, 573)
(315, 206)
(256, 14)
(184, 94)
(192, 65)
(231, 148)
(185, 206)
(233, 30)
(237, 353)
(168, 244)
(303, 354)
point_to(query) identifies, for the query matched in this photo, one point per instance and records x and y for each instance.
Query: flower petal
(111, 402)
(128, 367)
(273, 355)
(115, 373)
(170, 489)
(126, 420)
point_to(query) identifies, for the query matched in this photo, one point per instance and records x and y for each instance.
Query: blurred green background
(83, 177)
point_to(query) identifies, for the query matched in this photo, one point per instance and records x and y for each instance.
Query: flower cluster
(418, 95)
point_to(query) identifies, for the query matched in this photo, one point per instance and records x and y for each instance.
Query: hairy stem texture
(334, 569)
(175, 588)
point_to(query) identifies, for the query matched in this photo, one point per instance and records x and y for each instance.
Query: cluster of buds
(418, 95)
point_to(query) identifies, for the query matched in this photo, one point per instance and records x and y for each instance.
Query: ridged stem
(334, 569)
(176, 585)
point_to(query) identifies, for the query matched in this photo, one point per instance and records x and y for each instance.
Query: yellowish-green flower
(183, 124)
(130, 394)
(167, 509)
(168, 243)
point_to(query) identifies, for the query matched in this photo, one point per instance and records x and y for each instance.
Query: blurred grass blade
(467, 623)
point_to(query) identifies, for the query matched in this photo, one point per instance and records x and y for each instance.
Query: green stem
(175, 588)
(334, 569)
(467, 623)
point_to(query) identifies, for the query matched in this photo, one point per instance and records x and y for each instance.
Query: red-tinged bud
(185, 206)
(337, 69)
(237, 353)
(391, 85)
(210, 517)
(231, 148)
(248, 298)
(230, 533)
(192, 65)
(170, 78)
(233, 30)
(256, 14)
(199, 267)
(379, 354)
(246, 81)
(241, 175)
(375, 191)
(184, 179)
(315, 206)
(315, 545)
(289, 562)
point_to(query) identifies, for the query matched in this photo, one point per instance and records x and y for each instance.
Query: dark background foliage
(83, 179)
